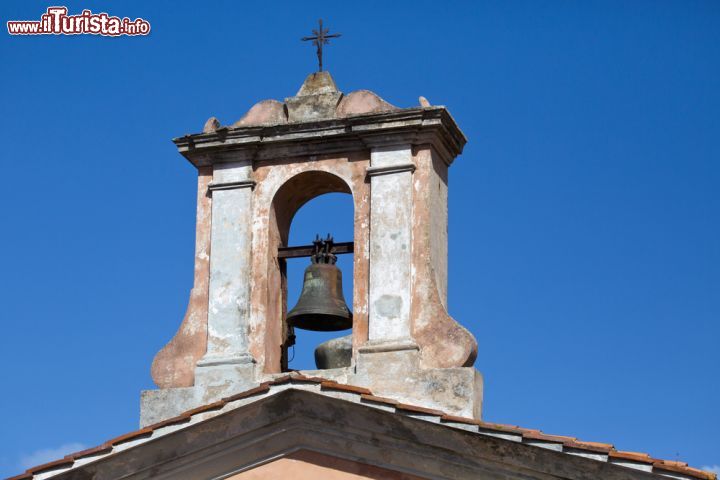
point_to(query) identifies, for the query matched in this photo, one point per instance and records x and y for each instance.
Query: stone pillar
(227, 358)
(389, 296)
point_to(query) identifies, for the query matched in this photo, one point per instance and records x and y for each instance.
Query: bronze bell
(321, 306)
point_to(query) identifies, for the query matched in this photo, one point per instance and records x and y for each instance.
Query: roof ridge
(367, 397)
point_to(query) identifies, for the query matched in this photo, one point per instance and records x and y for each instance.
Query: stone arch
(290, 196)
(299, 190)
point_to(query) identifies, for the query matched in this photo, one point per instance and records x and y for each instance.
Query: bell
(321, 306)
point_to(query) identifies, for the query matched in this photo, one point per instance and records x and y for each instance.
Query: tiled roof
(602, 452)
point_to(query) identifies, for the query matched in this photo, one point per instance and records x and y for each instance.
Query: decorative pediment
(315, 425)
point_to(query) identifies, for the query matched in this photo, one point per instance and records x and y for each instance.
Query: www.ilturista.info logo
(56, 21)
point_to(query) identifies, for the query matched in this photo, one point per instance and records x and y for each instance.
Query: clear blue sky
(584, 212)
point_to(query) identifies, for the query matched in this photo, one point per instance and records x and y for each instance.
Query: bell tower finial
(320, 37)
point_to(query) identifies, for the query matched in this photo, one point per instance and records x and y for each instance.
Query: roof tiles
(365, 396)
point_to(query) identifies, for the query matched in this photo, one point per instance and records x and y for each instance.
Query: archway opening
(327, 213)
(322, 214)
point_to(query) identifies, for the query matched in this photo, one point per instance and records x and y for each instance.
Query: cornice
(412, 126)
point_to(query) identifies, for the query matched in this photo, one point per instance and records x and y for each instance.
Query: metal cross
(320, 38)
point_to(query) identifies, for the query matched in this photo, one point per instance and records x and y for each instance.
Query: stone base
(158, 405)
(213, 382)
(394, 374)
(221, 376)
(161, 404)
(397, 375)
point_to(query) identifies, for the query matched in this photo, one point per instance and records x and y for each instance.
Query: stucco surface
(306, 465)
(230, 274)
(267, 112)
(362, 101)
(391, 207)
(444, 343)
(174, 365)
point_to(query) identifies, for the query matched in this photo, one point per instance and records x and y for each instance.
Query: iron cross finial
(319, 38)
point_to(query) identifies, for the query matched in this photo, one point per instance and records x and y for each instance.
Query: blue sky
(584, 212)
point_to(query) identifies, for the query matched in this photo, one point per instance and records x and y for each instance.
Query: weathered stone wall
(282, 188)
(444, 343)
(174, 365)
(227, 361)
(391, 210)
(437, 190)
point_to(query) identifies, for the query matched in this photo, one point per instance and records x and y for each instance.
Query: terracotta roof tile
(184, 418)
(206, 408)
(538, 435)
(100, 449)
(504, 428)
(262, 388)
(63, 462)
(331, 385)
(456, 419)
(416, 409)
(696, 472)
(375, 399)
(682, 467)
(590, 446)
(22, 476)
(634, 456)
(603, 445)
(670, 463)
(297, 377)
(143, 432)
(279, 380)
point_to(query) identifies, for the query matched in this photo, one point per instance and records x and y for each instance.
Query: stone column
(390, 172)
(227, 358)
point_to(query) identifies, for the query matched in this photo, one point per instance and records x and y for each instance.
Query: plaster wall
(229, 289)
(443, 342)
(307, 465)
(391, 208)
(174, 365)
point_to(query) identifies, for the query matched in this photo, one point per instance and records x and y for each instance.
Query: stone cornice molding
(390, 169)
(412, 126)
(231, 185)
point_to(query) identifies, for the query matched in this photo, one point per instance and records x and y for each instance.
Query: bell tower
(253, 176)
